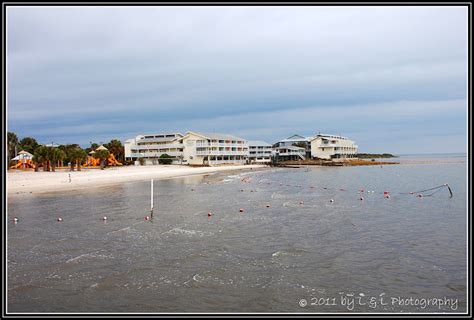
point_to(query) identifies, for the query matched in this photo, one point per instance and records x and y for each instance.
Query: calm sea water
(265, 259)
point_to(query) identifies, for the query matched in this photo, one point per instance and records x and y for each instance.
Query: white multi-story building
(151, 147)
(326, 146)
(214, 149)
(260, 152)
(193, 148)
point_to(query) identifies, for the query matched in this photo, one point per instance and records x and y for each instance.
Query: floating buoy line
(386, 194)
(421, 193)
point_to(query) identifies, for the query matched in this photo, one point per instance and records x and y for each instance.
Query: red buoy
(241, 210)
(268, 206)
(147, 218)
(209, 214)
(301, 202)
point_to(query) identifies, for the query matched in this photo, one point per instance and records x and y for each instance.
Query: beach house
(326, 146)
(214, 149)
(260, 152)
(295, 147)
(152, 146)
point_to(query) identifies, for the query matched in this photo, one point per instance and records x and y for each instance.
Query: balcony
(215, 144)
(159, 146)
(223, 153)
(155, 154)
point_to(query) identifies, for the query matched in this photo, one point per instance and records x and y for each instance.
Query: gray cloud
(80, 73)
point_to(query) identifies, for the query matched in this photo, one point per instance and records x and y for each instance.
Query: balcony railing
(215, 152)
(155, 154)
(159, 146)
(215, 144)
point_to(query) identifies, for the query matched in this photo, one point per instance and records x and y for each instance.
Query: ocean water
(303, 253)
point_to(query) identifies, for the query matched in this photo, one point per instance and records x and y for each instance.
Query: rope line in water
(437, 189)
(419, 192)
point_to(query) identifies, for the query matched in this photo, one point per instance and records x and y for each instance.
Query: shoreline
(29, 182)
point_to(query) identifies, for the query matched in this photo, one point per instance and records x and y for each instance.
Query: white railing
(215, 144)
(260, 154)
(214, 152)
(291, 153)
(158, 146)
(155, 154)
(211, 162)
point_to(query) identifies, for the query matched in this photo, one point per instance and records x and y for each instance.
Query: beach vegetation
(116, 148)
(41, 156)
(92, 147)
(76, 156)
(102, 155)
(12, 141)
(56, 155)
(28, 144)
(165, 159)
(375, 155)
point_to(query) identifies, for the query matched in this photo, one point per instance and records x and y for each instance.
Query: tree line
(50, 157)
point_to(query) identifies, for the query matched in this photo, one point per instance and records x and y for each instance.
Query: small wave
(279, 253)
(123, 229)
(190, 233)
(86, 256)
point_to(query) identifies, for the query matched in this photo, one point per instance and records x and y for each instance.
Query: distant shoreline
(29, 182)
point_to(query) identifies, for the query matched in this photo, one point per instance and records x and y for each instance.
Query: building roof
(159, 137)
(22, 155)
(51, 145)
(216, 136)
(295, 138)
(101, 148)
(259, 143)
(329, 136)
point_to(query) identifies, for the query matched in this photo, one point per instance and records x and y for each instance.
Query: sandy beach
(23, 182)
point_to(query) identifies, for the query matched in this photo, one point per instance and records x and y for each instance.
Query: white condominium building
(151, 147)
(214, 148)
(325, 146)
(260, 152)
(193, 148)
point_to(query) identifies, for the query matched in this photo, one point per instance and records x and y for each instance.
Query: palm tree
(36, 161)
(76, 156)
(12, 144)
(42, 156)
(29, 144)
(102, 155)
(55, 156)
(116, 148)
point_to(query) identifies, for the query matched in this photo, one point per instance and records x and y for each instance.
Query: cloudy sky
(392, 78)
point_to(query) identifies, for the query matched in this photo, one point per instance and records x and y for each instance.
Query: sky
(394, 79)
